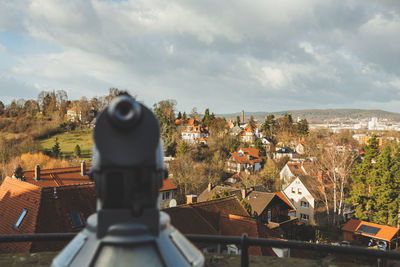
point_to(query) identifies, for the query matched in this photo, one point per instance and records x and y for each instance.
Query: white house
(302, 199)
(285, 152)
(248, 135)
(193, 134)
(308, 194)
(246, 159)
(294, 169)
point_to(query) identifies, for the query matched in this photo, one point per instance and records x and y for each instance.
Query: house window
(299, 191)
(76, 219)
(21, 217)
(293, 190)
(269, 214)
(305, 217)
(163, 195)
(167, 195)
(304, 204)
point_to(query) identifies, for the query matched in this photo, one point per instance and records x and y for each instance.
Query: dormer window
(76, 219)
(21, 217)
(299, 191)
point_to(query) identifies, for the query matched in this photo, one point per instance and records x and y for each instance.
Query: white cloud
(253, 55)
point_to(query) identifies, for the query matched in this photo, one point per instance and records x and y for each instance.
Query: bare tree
(336, 162)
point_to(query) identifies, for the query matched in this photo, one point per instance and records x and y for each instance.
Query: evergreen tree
(182, 148)
(385, 189)
(258, 144)
(237, 123)
(363, 181)
(184, 116)
(179, 116)
(302, 127)
(206, 118)
(77, 151)
(269, 126)
(56, 149)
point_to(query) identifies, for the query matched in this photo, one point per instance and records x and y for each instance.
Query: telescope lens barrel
(124, 112)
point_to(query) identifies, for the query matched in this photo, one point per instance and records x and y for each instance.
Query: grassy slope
(68, 141)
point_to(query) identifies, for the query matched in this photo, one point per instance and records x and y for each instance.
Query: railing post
(245, 251)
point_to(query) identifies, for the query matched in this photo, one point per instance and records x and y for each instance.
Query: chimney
(191, 199)
(37, 172)
(209, 187)
(242, 115)
(83, 168)
(244, 193)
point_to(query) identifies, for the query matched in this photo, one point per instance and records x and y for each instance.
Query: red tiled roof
(58, 177)
(47, 211)
(386, 232)
(167, 185)
(233, 225)
(248, 130)
(214, 217)
(243, 158)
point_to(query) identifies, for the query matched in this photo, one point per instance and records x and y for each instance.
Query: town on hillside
(275, 178)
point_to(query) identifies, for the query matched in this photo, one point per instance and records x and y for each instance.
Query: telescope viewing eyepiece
(124, 112)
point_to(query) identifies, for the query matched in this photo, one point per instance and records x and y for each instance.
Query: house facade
(246, 159)
(167, 193)
(248, 135)
(303, 198)
(195, 134)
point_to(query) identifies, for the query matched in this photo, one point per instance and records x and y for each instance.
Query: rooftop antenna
(128, 228)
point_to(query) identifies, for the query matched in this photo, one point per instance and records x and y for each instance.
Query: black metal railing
(244, 242)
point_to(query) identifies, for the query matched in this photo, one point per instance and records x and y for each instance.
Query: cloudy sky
(225, 55)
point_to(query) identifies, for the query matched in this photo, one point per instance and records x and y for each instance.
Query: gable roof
(385, 232)
(58, 177)
(206, 195)
(283, 196)
(313, 186)
(233, 225)
(244, 157)
(47, 210)
(296, 168)
(212, 217)
(168, 185)
(249, 130)
(190, 221)
(227, 205)
(211, 210)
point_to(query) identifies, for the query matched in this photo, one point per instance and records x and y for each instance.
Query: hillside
(68, 141)
(321, 115)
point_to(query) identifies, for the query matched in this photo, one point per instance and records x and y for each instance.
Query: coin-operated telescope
(128, 228)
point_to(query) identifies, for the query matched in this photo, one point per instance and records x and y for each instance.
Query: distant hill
(321, 115)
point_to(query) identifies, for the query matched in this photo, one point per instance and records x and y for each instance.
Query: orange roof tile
(385, 233)
(58, 177)
(253, 152)
(167, 185)
(47, 211)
